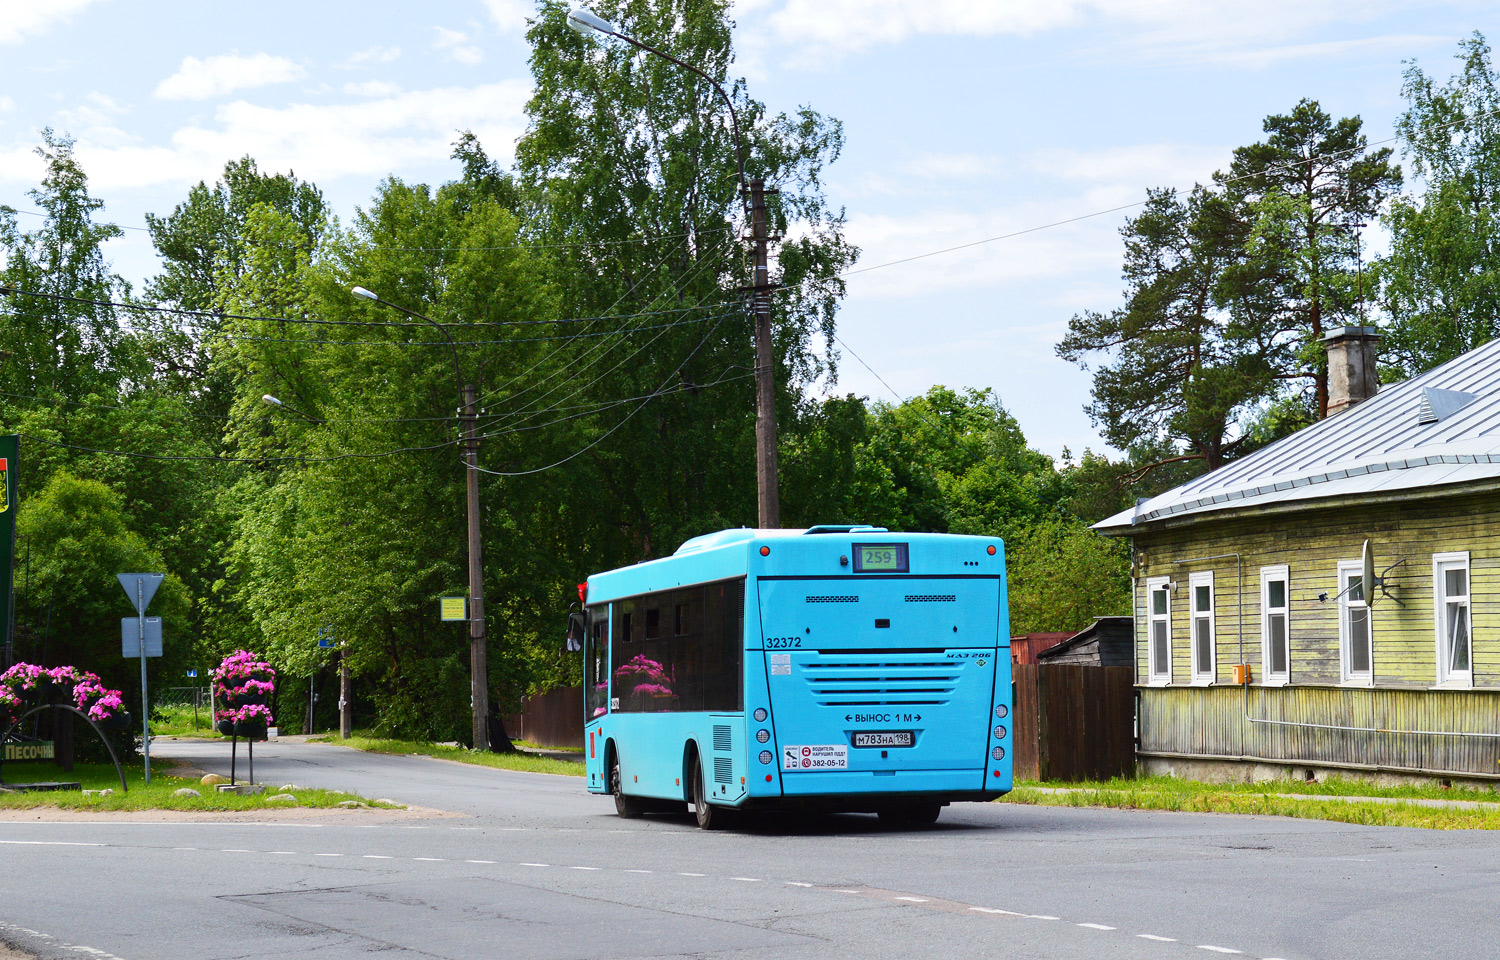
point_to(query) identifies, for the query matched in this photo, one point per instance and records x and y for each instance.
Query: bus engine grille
(852, 680)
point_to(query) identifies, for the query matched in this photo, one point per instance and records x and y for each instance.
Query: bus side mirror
(576, 627)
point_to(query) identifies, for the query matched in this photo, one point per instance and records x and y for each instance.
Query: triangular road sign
(140, 599)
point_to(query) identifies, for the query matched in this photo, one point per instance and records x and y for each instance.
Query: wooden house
(1265, 647)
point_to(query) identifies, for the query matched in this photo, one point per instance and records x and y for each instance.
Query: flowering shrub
(26, 681)
(242, 683)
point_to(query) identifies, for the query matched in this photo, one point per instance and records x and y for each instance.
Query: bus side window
(595, 663)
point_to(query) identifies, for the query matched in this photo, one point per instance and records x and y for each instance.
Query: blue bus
(839, 668)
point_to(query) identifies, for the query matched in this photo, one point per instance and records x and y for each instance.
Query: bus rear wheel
(627, 807)
(709, 817)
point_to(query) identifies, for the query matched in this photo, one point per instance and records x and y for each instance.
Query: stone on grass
(352, 805)
(106, 792)
(285, 798)
(289, 787)
(383, 802)
(209, 779)
(186, 792)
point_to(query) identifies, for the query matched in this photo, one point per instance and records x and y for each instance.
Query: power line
(219, 459)
(588, 410)
(1286, 168)
(641, 241)
(176, 311)
(612, 430)
(461, 343)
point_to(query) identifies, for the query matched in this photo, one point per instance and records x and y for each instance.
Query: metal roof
(1436, 429)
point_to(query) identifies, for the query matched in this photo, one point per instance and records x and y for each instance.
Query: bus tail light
(762, 735)
(998, 753)
(760, 714)
(999, 733)
(765, 757)
(1000, 711)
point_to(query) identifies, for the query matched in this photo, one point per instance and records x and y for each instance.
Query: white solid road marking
(1152, 936)
(1100, 926)
(1204, 946)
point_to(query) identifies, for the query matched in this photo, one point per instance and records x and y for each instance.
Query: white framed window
(1159, 630)
(1355, 629)
(1201, 602)
(1450, 600)
(1275, 625)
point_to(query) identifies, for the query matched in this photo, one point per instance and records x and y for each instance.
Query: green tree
(1441, 281)
(73, 537)
(1061, 575)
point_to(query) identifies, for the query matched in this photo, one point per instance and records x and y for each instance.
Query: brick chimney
(1352, 372)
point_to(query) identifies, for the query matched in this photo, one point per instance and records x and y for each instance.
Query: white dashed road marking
(1152, 936)
(1204, 946)
(1095, 926)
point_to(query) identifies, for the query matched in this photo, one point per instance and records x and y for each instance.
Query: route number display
(880, 558)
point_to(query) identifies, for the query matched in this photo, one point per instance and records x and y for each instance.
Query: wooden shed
(1107, 642)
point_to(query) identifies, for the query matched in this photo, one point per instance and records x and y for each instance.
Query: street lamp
(479, 688)
(753, 195)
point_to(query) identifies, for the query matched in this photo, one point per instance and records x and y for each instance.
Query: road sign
(192, 674)
(140, 588)
(130, 637)
(454, 608)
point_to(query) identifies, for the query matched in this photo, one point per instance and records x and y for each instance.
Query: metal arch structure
(124, 788)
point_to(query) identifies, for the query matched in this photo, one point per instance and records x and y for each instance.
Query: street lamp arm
(458, 375)
(589, 21)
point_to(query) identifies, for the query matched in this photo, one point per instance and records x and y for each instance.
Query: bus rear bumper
(898, 783)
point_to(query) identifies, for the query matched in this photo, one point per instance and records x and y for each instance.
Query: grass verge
(1365, 803)
(177, 720)
(159, 795)
(528, 763)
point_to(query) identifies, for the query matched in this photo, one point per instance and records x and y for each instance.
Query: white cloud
(21, 17)
(510, 15)
(373, 55)
(372, 88)
(214, 76)
(456, 45)
(7, 104)
(320, 142)
(1246, 35)
(95, 120)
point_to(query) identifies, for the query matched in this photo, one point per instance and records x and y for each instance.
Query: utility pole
(346, 697)
(479, 671)
(765, 364)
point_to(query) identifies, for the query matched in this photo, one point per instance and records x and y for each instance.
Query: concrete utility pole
(479, 671)
(769, 495)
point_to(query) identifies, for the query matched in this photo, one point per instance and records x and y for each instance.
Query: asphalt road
(537, 868)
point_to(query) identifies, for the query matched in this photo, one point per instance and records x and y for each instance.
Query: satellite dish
(1367, 571)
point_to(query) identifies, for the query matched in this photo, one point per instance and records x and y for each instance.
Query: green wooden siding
(1311, 543)
(1215, 722)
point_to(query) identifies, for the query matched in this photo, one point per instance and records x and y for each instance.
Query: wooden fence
(1073, 722)
(551, 719)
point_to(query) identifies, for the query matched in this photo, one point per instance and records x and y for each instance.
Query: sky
(1032, 121)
